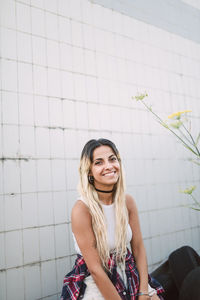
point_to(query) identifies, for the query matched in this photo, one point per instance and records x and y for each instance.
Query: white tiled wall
(194, 3)
(68, 71)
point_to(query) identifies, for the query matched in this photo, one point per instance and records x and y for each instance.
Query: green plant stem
(195, 201)
(197, 139)
(189, 206)
(191, 139)
(162, 122)
(191, 143)
(195, 162)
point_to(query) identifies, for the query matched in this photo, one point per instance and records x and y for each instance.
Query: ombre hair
(90, 197)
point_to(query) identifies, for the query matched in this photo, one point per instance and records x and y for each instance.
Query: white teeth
(109, 174)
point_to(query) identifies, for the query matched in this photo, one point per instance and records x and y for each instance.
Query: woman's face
(105, 168)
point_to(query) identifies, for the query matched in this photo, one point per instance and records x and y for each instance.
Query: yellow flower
(178, 114)
(189, 190)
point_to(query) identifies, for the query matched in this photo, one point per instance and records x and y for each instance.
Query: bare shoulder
(80, 213)
(130, 203)
(79, 206)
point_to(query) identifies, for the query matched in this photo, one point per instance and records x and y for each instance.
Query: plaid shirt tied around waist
(74, 286)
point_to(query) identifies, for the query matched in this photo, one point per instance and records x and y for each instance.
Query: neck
(105, 195)
(104, 191)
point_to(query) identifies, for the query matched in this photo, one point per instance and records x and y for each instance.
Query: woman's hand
(155, 297)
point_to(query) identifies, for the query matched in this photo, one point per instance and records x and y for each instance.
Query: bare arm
(137, 245)
(82, 229)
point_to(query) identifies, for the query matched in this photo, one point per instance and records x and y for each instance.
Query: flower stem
(195, 201)
(165, 125)
(194, 144)
(191, 143)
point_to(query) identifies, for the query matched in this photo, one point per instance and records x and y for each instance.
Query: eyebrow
(102, 158)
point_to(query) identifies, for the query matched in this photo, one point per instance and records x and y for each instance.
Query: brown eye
(113, 158)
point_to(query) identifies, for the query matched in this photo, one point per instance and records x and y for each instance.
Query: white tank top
(109, 212)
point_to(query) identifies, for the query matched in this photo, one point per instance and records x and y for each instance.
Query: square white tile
(60, 206)
(47, 242)
(41, 105)
(66, 56)
(75, 9)
(39, 50)
(40, 80)
(44, 175)
(25, 78)
(45, 209)
(51, 26)
(10, 108)
(71, 143)
(9, 78)
(29, 210)
(31, 245)
(28, 176)
(2, 254)
(3, 285)
(57, 143)
(38, 21)
(32, 282)
(53, 56)
(67, 85)
(15, 283)
(11, 173)
(55, 112)
(69, 114)
(78, 60)
(64, 28)
(48, 278)
(12, 211)
(8, 15)
(24, 47)
(26, 109)
(42, 142)
(8, 43)
(64, 8)
(61, 240)
(51, 5)
(58, 175)
(82, 115)
(77, 33)
(13, 249)
(79, 87)
(23, 14)
(53, 82)
(27, 141)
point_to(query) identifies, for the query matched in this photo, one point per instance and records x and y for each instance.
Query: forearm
(141, 262)
(105, 285)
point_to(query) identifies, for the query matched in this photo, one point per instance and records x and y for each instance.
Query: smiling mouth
(110, 174)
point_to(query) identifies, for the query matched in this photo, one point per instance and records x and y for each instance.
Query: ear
(91, 179)
(90, 173)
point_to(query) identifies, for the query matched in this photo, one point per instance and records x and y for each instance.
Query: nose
(108, 165)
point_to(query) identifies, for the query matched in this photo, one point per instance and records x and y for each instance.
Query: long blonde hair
(90, 196)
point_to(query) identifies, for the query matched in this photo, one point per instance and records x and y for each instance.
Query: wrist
(143, 297)
(142, 293)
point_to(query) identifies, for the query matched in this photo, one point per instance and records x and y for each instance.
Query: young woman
(105, 223)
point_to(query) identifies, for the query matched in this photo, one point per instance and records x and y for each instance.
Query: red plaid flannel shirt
(74, 286)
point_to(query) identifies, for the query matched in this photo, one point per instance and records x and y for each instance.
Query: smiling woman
(104, 170)
(105, 225)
